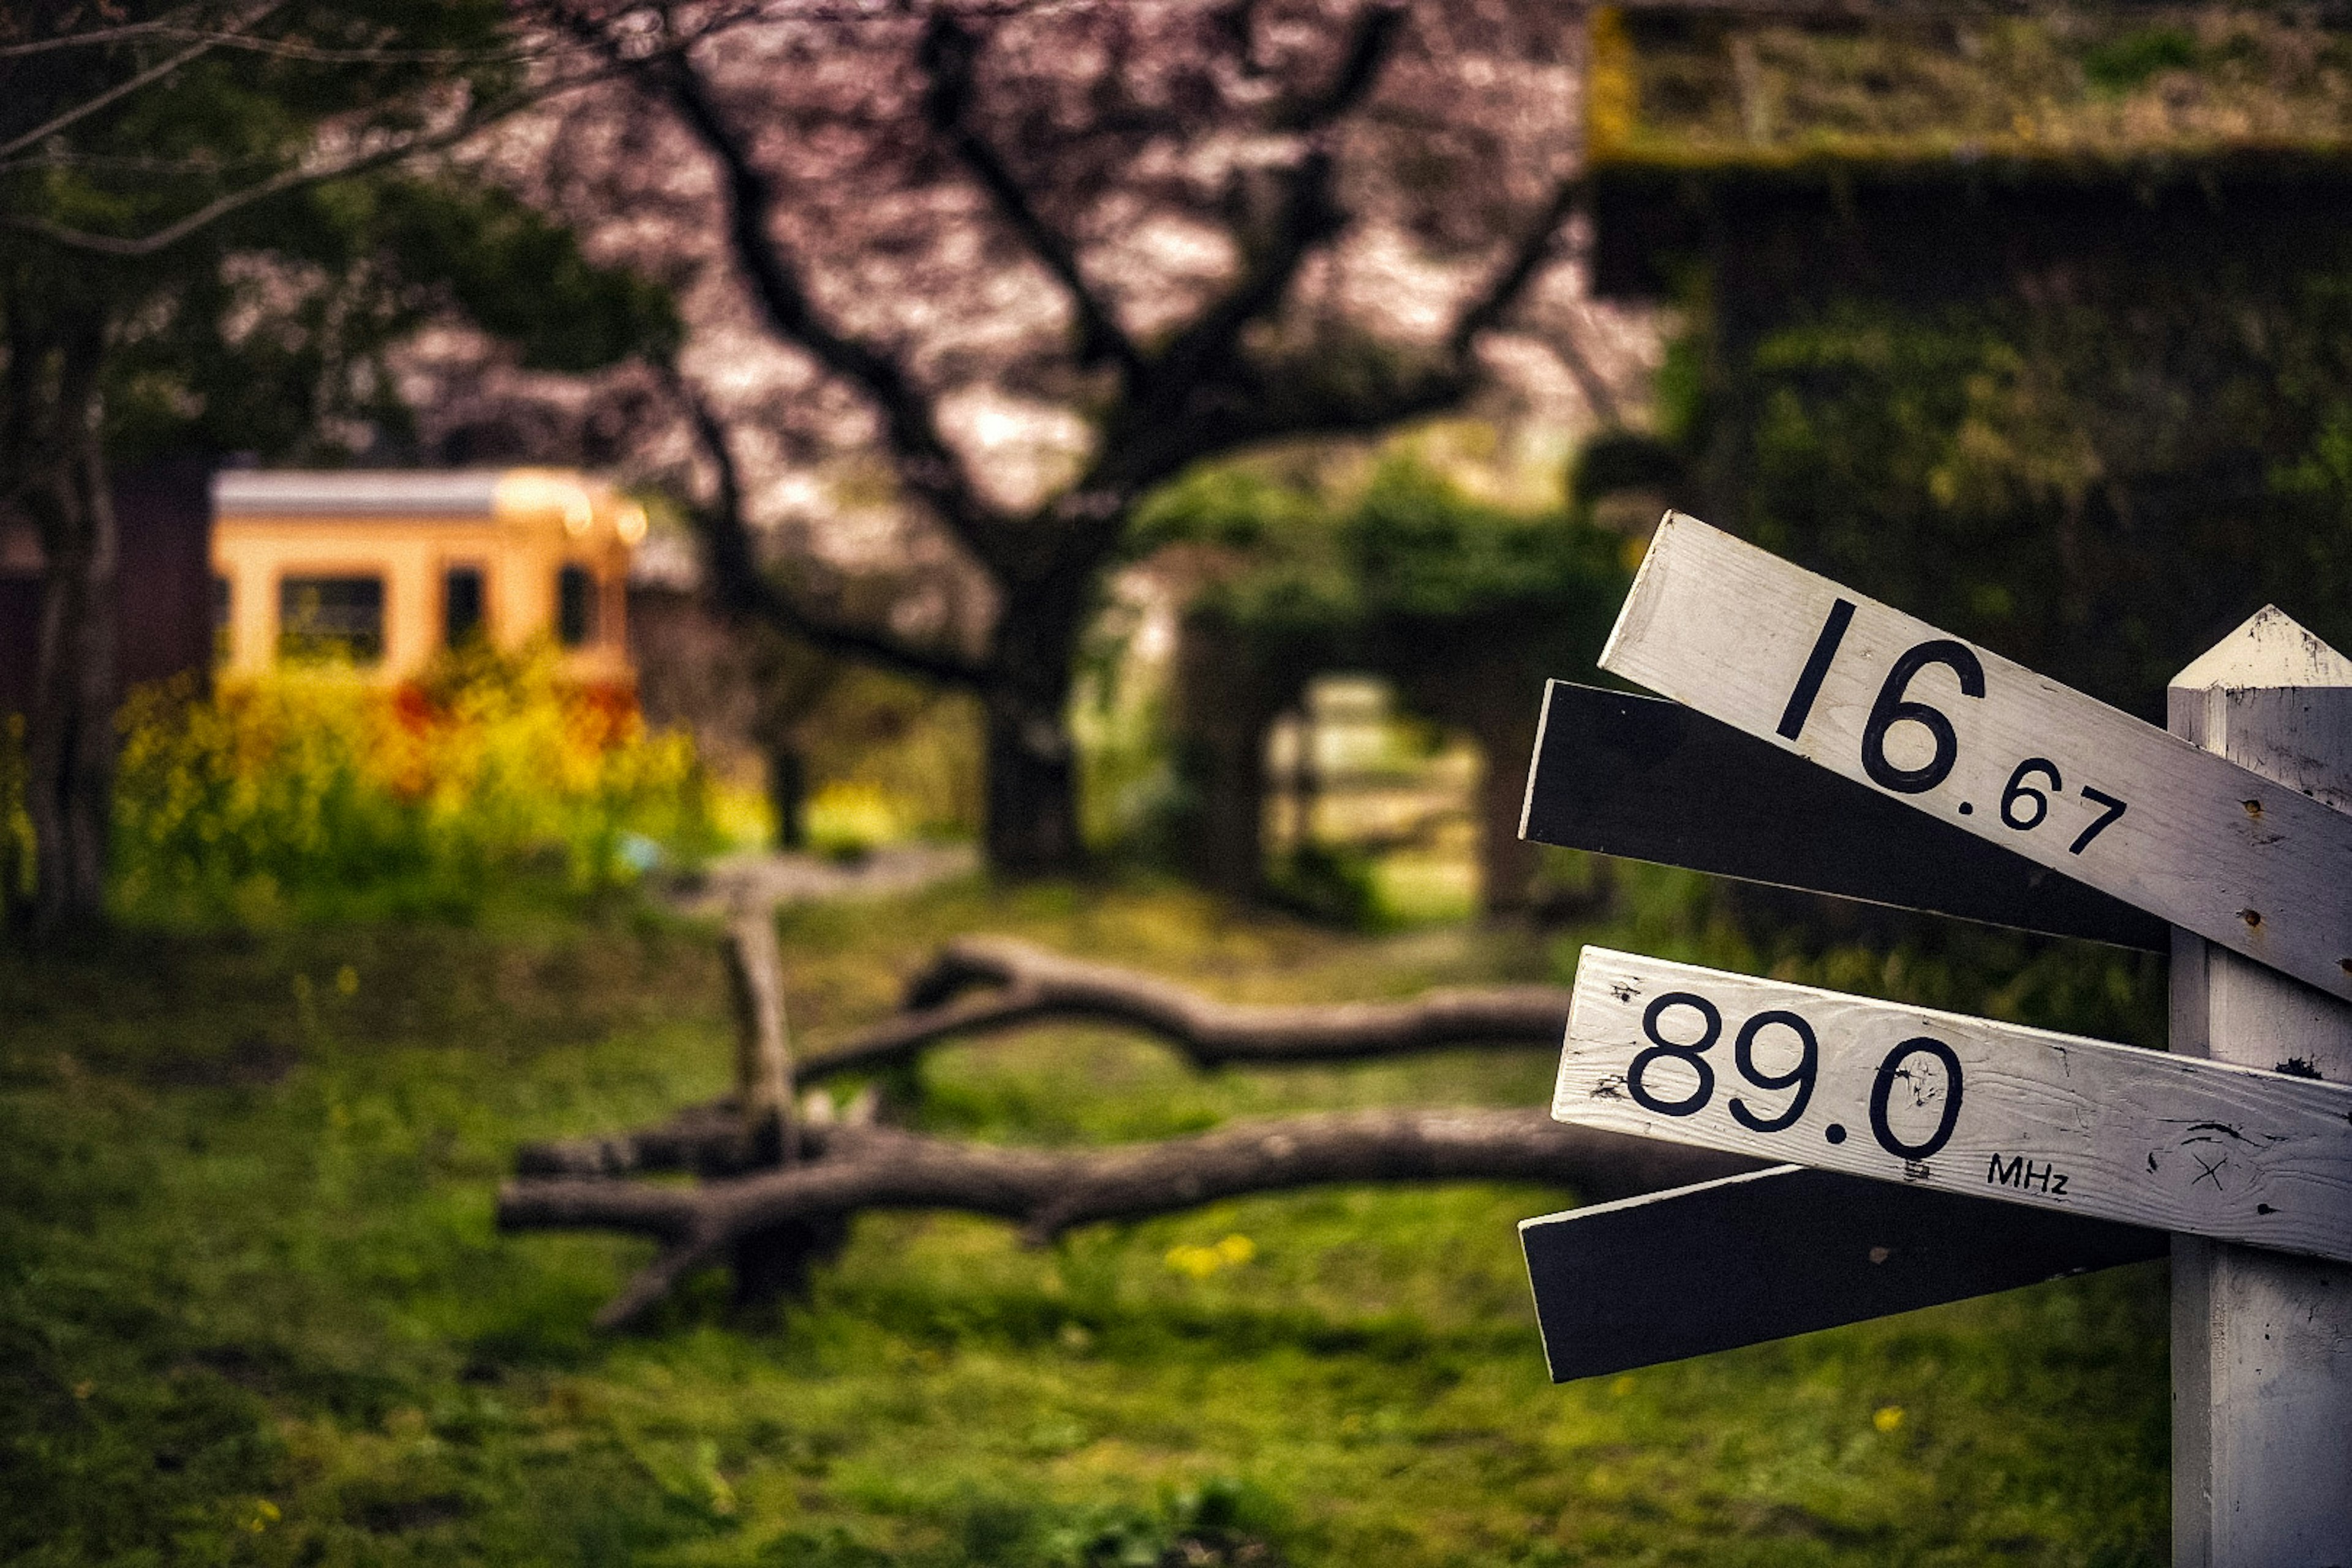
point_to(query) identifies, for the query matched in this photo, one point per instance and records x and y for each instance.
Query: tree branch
(474, 120)
(116, 35)
(1368, 50)
(946, 55)
(1028, 984)
(743, 589)
(1288, 405)
(925, 464)
(1196, 360)
(132, 84)
(1034, 983)
(1527, 259)
(1047, 1192)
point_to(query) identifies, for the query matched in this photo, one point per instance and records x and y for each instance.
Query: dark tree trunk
(1224, 703)
(1506, 862)
(69, 734)
(1031, 827)
(1495, 700)
(788, 793)
(1032, 802)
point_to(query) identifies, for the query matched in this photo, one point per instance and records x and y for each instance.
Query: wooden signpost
(1651, 780)
(2261, 1343)
(1835, 744)
(1886, 699)
(1784, 1251)
(1967, 1105)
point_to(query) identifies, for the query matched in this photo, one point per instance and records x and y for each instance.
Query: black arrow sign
(1784, 1251)
(1653, 780)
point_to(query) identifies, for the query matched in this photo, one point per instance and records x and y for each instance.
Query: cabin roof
(356, 492)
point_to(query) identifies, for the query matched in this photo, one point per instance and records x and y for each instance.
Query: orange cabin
(388, 567)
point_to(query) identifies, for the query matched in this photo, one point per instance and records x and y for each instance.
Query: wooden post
(2261, 1343)
(763, 1052)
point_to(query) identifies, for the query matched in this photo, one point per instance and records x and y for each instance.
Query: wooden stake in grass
(763, 1050)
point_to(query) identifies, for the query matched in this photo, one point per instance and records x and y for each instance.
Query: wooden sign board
(1784, 1251)
(1998, 1111)
(1984, 743)
(1651, 780)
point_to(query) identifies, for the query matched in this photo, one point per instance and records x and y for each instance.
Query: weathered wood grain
(1784, 1251)
(1651, 780)
(1781, 653)
(2030, 1116)
(763, 1049)
(2262, 1345)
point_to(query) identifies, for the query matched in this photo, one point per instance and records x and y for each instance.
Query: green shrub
(311, 788)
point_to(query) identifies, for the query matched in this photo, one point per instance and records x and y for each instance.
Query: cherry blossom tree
(975, 277)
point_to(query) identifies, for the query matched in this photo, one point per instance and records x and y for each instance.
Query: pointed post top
(2270, 650)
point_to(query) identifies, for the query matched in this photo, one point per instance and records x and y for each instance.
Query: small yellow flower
(347, 981)
(1199, 1262)
(1887, 1417)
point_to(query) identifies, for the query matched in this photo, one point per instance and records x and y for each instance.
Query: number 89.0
(1893, 1070)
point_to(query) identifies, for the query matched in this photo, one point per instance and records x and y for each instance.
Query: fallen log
(707, 1140)
(1032, 983)
(854, 1169)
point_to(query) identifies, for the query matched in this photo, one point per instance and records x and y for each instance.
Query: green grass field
(252, 1308)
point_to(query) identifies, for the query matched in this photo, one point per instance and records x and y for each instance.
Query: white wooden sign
(1908, 1094)
(1887, 701)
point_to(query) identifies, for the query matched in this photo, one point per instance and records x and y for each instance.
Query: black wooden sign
(1784, 1251)
(1653, 780)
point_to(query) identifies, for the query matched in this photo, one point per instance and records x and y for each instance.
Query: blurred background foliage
(1316, 573)
(2099, 485)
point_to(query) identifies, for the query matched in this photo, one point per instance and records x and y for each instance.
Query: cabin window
(575, 607)
(330, 617)
(461, 605)
(224, 625)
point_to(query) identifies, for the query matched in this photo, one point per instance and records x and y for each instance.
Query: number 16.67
(2024, 805)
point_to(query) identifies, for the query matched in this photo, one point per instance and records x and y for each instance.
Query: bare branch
(946, 56)
(132, 84)
(925, 463)
(1368, 50)
(1286, 406)
(1034, 983)
(1048, 1192)
(1027, 985)
(1308, 217)
(1527, 259)
(742, 588)
(474, 120)
(95, 36)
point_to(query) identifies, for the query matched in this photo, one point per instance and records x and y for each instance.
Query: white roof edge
(356, 492)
